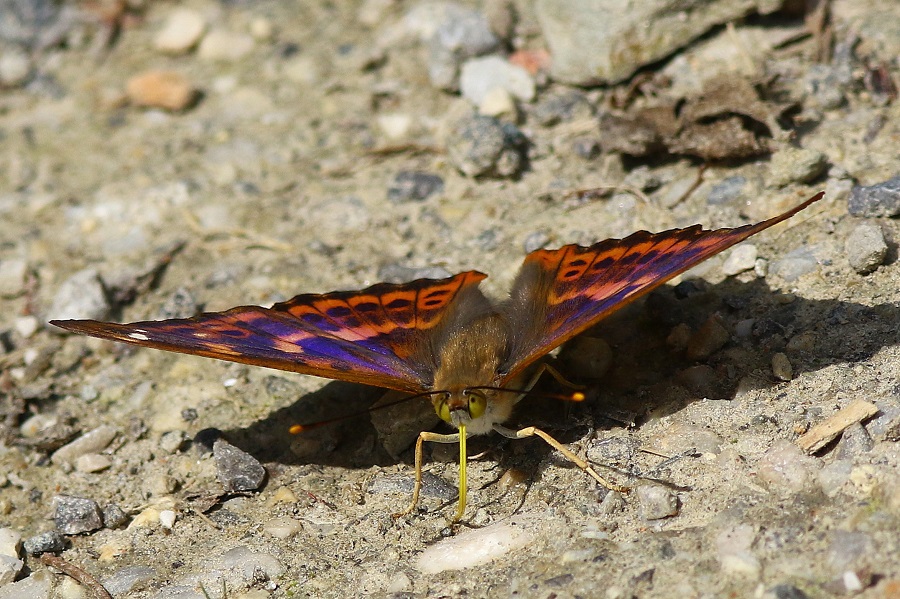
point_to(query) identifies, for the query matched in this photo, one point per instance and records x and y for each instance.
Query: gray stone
(460, 33)
(560, 107)
(128, 579)
(36, 586)
(535, 241)
(47, 542)
(741, 258)
(855, 440)
(432, 486)
(781, 367)
(12, 276)
(482, 146)
(726, 190)
(876, 201)
(607, 40)
(92, 441)
(827, 84)
(656, 502)
(236, 469)
(80, 296)
(795, 165)
(795, 264)
(114, 516)
(414, 186)
(173, 441)
(75, 515)
(866, 248)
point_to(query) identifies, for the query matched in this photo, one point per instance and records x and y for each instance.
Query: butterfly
(443, 338)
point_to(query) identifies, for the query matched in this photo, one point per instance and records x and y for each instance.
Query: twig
(821, 434)
(77, 573)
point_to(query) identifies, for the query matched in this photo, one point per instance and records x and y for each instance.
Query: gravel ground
(166, 158)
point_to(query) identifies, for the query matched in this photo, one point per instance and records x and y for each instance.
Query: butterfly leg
(532, 431)
(417, 487)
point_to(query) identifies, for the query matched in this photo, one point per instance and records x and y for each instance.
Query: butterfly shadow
(650, 373)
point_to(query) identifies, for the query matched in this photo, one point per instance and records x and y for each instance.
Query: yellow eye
(477, 404)
(443, 410)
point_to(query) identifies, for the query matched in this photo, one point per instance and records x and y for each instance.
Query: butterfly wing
(369, 336)
(560, 293)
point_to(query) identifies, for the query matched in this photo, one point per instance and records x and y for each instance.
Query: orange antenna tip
(578, 396)
(296, 429)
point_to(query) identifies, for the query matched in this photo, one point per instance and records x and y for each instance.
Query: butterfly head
(475, 408)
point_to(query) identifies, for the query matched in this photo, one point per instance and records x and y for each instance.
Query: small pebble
(414, 186)
(480, 75)
(562, 107)
(613, 503)
(587, 356)
(700, 380)
(113, 516)
(656, 502)
(395, 125)
(75, 515)
(740, 259)
(455, 33)
(250, 565)
(161, 89)
(282, 528)
(12, 276)
(128, 579)
(481, 145)
(679, 336)
(80, 296)
(795, 264)
(10, 567)
(26, 326)
(866, 248)
(10, 542)
(726, 191)
(876, 201)
(181, 31)
(708, 339)
(93, 441)
(795, 165)
(586, 147)
(167, 518)
(855, 441)
(785, 466)
(160, 484)
(474, 547)
(236, 469)
(47, 542)
(92, 462)
(432, 486)
(498, 103)
(225, 46)
(781, 367)
(802, 342)
(744, 328)
(15, 66)
(173, 441)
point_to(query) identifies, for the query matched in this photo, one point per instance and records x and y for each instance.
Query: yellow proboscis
(462, 473)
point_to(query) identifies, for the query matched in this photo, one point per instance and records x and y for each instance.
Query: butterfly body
(443, 338)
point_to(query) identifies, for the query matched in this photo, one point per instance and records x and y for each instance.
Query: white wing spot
(139, 336)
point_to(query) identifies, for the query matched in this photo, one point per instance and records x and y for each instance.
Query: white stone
(181, 31)
(36, 586)
(741, 258)
(473, 547)
(497, 102)
(480, 75)
(26, 326)
(167, 518)
(395, 125)
(92, 462)
(90, 442)
(261, 29)
(9, 568)
(282, 528)
(225, 46)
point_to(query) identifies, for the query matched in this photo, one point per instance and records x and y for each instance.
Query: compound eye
(443, 410)
(477, 404)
